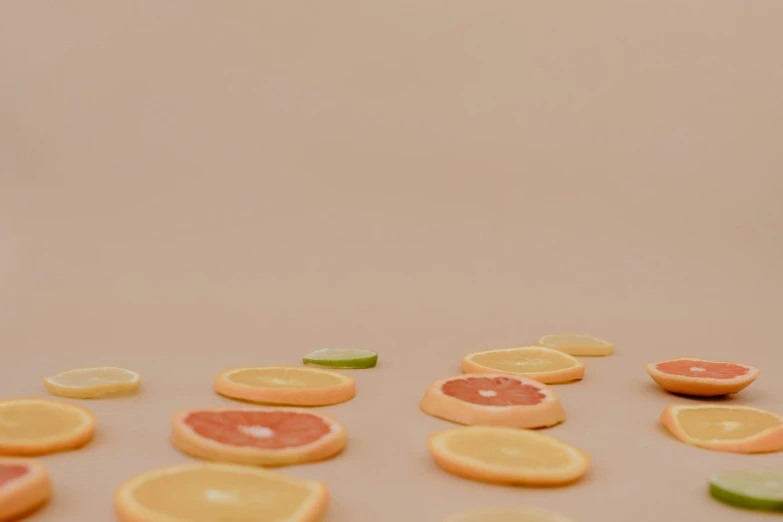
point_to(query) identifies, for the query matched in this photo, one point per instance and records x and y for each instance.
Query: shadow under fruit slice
(507, 456)
(506, 514)
(292, 386)
(206, 492)
(534, 362)
(577, 344)
(260, 436)
(92, 383)
(41, 426)
(732, 429)
(24, 487)
(700, 377)
(754, 489)
(493, 399)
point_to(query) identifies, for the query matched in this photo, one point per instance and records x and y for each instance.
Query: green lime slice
(755, 489)
(342, 358)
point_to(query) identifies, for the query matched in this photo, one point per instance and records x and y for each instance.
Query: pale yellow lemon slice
(577, 344)
(506, 514)
(41, 426)
(92, 383)
(733, 429)
(534, 362)
(294, 386)
(507, 455)
(207, 492)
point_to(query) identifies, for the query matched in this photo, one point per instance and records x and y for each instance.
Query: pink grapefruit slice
(24, 487)
(258, 436)
(700, 377)
(493, 399)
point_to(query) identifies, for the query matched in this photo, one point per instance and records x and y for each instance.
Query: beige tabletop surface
(189, 186)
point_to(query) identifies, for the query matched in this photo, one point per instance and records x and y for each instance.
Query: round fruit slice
(535, 362)
(41, 426)
(577, 344)
(286, 385)
(733, 429)
(342, 358)
(265, 437)
(24, 487)
(755, 489)
(206, 492)
(493, 399)
(507, 456)
(700, 377)
(506, 514)
(92, 383)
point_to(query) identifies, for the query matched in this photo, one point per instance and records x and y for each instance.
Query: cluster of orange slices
(501, 401)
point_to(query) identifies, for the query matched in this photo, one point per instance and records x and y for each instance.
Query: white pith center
(731, 425)
(511, 452)
(772, 484)
(697, 369)
(487, 393)
(259, 432)
(219, 495)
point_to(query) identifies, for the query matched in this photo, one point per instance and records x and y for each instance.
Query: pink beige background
(190, 186)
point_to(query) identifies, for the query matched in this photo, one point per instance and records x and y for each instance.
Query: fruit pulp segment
(509, 450)
(284, 378)
(258, 429)
(37, 421)
(523, 361)
(9, 472)
(209, 495)
(80, 378)
(725, 423)
(702, 369)
(566, 340)
(499, 391)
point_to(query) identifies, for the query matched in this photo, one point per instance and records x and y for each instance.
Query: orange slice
(700, 377)
(733, 429)
(507, 456)
(577, 344)
(41, 426)
(291, 386)
(93, 383)
(506, 514)
(493, 399)
(208, 491)
(24, 487)
(535, 362)
(261, 436)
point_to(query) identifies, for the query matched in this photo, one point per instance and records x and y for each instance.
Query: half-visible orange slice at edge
(40, 426)
(534, 362)
(24, 487)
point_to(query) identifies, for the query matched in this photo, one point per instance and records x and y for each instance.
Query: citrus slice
(261, 436)
(577, 344)
(286, 385)
(493, 399)
(755, 489)
(208, 491)
(535, 362)
(733, 429)
(24, 487)
(507, 456)
(342, 358)
(700, 377)
(41, 426)
(91, 383)
(506, 514)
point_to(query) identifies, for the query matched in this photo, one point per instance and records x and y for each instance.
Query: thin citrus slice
(41, 426)
(506, 514)
(535, 362)
(208, 491)
(92, 383)
(261, 436)
(733, 429)
(700, 377)
(286, 385)
(342, 358)
(493, 399)
(24, 487)
(507, 456)
(754, 489)
(577, 344)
